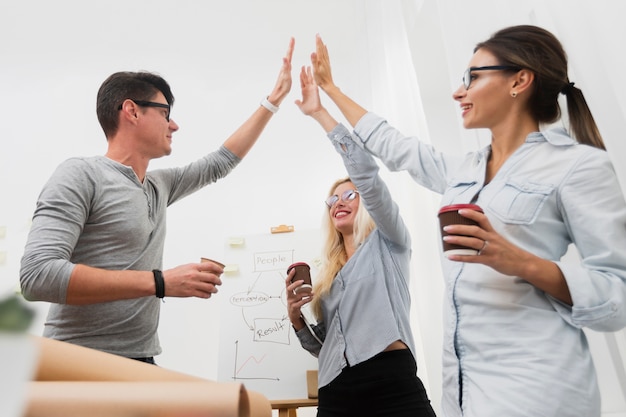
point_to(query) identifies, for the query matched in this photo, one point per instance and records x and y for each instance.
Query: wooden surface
(311, 383)
(287, 408)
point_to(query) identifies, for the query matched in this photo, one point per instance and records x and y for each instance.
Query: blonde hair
(334, 255)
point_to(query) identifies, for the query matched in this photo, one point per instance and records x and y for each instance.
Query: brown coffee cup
(450, 215)
(211, 260)
(303, 272)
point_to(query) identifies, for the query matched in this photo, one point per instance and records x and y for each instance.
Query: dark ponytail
(581, 121)
(538, 50)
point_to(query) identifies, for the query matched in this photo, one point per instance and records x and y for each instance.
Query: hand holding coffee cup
(303, 272)
(450, 215)
(221, 265)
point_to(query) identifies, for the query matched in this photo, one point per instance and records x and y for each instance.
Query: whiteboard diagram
(258, 346)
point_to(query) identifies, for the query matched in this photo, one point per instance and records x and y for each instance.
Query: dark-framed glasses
(346, 197)
(144, 103)
(467, 75)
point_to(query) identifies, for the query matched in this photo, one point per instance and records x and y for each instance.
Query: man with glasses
(96, 244)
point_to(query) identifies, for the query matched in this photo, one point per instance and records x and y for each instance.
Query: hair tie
(567, 88)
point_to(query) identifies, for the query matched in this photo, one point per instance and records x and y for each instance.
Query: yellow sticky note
(236, 241)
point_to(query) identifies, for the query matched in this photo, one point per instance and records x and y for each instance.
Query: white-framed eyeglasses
(346, 197)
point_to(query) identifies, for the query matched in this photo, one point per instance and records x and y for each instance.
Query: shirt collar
(556, 136)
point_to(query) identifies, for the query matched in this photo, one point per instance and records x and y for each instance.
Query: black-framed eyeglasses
(467, 75)
(346, 197)
(144, 103)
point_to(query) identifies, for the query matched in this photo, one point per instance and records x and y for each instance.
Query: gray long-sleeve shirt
(95, 211)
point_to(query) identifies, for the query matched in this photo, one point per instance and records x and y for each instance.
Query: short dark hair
(124, 85)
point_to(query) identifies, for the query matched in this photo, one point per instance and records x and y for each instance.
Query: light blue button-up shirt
(510, 349)
(368, 306)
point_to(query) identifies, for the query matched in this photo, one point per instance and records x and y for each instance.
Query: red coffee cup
(450, 215)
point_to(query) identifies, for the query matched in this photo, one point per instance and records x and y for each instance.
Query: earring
(514, 94)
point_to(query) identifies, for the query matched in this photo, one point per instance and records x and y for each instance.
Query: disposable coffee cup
(211, 260)
(303, 272)
(450, 215)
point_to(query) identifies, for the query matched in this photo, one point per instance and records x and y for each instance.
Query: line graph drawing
(249, 359)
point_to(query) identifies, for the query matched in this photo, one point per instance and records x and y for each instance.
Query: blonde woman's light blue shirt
(368, 306)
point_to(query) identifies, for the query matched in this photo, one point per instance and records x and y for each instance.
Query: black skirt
(386, 385)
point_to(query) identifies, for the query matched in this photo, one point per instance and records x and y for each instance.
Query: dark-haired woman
(514, 313)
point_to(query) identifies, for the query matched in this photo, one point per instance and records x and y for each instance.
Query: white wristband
(265, 103)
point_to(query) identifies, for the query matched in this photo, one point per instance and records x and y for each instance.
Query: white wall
(221, 58)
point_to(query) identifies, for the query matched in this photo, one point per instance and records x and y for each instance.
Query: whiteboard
(258, 346)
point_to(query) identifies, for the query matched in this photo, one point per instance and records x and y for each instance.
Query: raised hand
(283, 83)
(310, 102)
(321, 64)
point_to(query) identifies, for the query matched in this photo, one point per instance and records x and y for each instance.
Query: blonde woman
(362, 338)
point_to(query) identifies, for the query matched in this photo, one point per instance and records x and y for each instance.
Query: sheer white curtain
(414, 55)
(395, 94)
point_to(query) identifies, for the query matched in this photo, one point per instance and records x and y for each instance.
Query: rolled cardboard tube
(128, 399)
(69, 378)
(62, 361)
